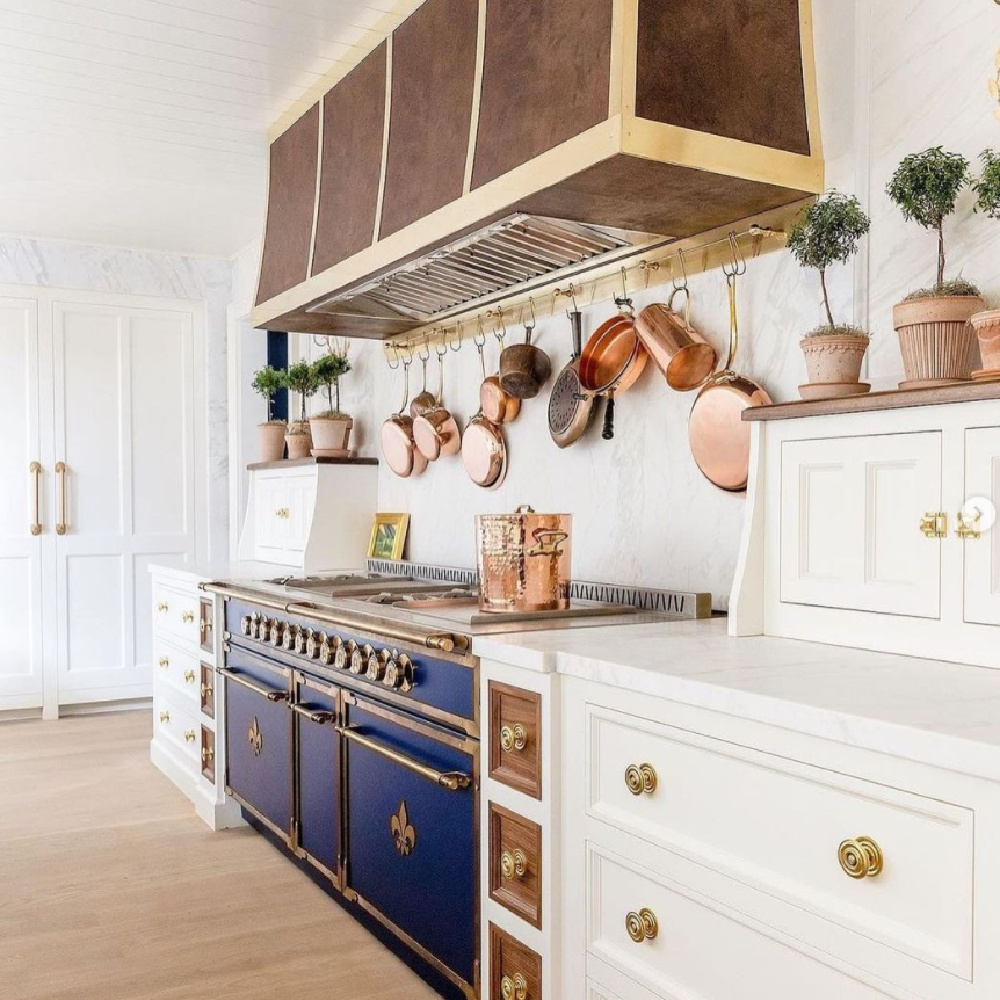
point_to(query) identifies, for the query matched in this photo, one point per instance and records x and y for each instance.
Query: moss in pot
(828, 233)
(331, 431)
(935, 337)
(267, 382)
(300, 379)
(987, 324)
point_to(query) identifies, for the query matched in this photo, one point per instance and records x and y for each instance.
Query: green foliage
(266, 382)
(301, 379)
(987, 186)
(828, 233)
(328, 370)
(926, 187)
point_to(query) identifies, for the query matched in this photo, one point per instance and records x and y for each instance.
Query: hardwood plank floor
(112, 889)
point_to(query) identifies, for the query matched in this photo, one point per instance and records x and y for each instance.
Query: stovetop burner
(425, 599)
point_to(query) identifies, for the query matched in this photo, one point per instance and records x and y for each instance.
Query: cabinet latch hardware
(935, 525)
(967, 527)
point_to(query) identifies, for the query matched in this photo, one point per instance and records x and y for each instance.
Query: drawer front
(515, 970)
(516, 864)
(317, 714)
(208, 754)
(515, 738)
(175, 613)
(779, 826)
(176, 669)
(678, 943)
(177, 723)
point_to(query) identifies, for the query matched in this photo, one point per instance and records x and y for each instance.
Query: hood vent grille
(508, 257)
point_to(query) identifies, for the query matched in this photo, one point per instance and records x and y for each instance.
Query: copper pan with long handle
(398, 447)
(484, 449)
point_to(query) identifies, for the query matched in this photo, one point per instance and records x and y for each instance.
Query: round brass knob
(359, 658)
(515, 988)
(164, 717)
(301, 637)
(342, 657)
(164, 662)
(312, 643)
(513, 865)
(640, 778)
(187, 617)
(328, 649)
(642, 926)
(861, 857)
(399, 674)
(246, 624)
(377, 663)
(207, 755)
(162, 607)
(263, 629)
(190, 736)
(274, 636)
(290, 637)
(513, 738)
(189, 676)
(256, 624)
(206, 692)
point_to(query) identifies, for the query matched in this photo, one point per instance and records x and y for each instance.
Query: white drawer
(777, 825)
(175, 613)
(699, 952)
(177, 724)
(178, 670)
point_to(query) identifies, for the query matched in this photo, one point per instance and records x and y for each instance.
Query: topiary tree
(987, 187)
(926, 187)
(301, 379)
(828, 233)
(268, 381)
(328, 370)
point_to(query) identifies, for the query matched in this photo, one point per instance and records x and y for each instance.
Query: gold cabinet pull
(642, 926)
(61, 510)
(207, 755)
(861, 857)
(935, 524)
(35, 469)
(187, 617)
(513, 738)
(189, 736)
(282, 513)
(269, 693)
(967, 529)
(206, 691)
(514, 988)
(640, 779)
(189, 676)
(513, 864)
(164, 662)
(164, 718)
(163, 607)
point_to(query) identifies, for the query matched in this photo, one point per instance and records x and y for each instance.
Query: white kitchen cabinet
(311, 515)
(982, 546)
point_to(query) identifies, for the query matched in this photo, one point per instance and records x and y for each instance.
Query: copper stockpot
(524, 561)
(524, 369)
(677, 349)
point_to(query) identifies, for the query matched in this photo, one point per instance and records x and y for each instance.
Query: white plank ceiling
(143, 123)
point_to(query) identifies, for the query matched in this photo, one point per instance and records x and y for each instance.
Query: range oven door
(317, 721)
(412, 848)
(259, 764)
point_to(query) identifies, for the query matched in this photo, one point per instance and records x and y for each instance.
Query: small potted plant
(266, 382)
(935, 337)
(331, 431)
(987, 324)
(300, 379)
(828, 233)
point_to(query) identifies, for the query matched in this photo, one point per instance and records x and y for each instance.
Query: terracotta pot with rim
(299, 439)
(331, 432)
(833, 361)
(987, 327)
(272, 440)
(936, 339)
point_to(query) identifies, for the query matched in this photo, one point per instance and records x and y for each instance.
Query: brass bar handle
(61, 493)
(642, 926)
(36, 521)
(861, 857)
(321, 718)
(514, 987)
(513, 864)
(452, 780)
(513, 738)
(269, 693)
(640, 779)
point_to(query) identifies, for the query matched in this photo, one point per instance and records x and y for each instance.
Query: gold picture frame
(388, 540)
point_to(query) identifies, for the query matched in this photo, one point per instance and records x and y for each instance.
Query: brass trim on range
(454, 781)
(259, 816)
(35, 470)
(269, 693)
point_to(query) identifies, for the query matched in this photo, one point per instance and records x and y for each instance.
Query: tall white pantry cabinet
(101, 467)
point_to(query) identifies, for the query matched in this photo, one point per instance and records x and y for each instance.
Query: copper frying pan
(398, 447)
(484, 449)
(720, 440)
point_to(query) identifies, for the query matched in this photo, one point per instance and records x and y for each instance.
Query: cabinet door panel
(319, 776)
(982, 555)
(850, 523)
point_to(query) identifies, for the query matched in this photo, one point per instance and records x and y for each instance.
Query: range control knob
(263, 629)
(342, 658)
(255, 626)
(399, 673)
(328, 649)
(274, 635)
(290, 636)
(377, 664)
(301, 636)
(246, 624)
(312, 643)
(359, 658)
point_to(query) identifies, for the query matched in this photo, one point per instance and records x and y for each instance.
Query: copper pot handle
(550, 547)
(524, 508)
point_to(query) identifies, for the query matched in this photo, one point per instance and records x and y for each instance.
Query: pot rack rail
(670, 264)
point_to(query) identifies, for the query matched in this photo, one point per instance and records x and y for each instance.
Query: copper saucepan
(484, 450)
(424, 399)
(677, 349)
(524, 369)
(498, 405)
(398, 447)
(719, 437)
(436, 430)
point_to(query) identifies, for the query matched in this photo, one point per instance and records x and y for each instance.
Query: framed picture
(388, 536)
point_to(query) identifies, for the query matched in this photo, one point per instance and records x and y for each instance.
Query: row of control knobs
(393, 669)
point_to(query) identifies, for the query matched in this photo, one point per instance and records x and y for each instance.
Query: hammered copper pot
(525, 561)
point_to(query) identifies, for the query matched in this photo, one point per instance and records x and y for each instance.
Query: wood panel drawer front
(207, 690)
(208, 754)
(515, 970)
(175, 613)
(679, 943)
(516, 864)
(206, 624)
(778, 826)
(851, 513)
(176, 669)
(982, 546)
(516, 738)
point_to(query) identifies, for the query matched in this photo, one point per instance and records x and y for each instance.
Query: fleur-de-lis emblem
(254, 737)
(402, 833)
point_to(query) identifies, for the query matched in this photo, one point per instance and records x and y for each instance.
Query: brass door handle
(269, 693)
(935, 524)
(640, 778)
(513, 738)
(189, 676)
(967, 529)
(452, 780)
(190, 736)
(861, 857)
(164, 718)
(36, 474)
(642, 926)
(321, 718)
(513, 865)
(61, 508)
(514, 988)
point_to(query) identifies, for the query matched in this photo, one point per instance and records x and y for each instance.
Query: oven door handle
(269, 693)
(321, 718)
(452, 780)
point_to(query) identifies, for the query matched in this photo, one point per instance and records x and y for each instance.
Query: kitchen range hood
(487, 148)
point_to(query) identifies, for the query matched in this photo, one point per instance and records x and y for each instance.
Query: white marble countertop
(945, 714)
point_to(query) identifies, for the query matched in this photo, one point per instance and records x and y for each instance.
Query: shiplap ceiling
(143, 123)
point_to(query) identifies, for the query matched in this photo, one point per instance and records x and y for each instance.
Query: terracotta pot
(272, 440)
(331, 432)
(299, 442)
(936, 338)
(834, 357)
(987, 327)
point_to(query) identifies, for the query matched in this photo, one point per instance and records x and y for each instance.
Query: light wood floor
(112, 889)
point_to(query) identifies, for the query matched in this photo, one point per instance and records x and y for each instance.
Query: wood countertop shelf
(292, 463)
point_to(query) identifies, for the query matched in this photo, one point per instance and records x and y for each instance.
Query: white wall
(643, 513)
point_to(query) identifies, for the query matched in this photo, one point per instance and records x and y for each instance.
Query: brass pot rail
(454, 781)
(269, 693)
(321, 718)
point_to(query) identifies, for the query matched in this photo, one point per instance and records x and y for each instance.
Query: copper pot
(677, 349)
(524, 561)
(524, 369)
(435, 430)
(398, 447)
